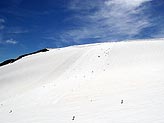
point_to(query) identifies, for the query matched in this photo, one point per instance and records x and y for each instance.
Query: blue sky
(30, 25)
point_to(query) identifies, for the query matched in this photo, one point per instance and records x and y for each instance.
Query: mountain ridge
(21, 56)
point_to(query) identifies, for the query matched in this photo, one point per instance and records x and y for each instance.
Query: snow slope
(86, 84)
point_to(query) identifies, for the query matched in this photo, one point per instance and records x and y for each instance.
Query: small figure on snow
(122, 101)
(73, 118)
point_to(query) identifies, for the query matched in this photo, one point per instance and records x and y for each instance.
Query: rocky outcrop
(13, 60)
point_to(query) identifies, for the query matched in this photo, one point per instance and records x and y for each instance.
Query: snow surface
(86, 84)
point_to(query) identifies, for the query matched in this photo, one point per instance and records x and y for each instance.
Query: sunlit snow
(119, 82)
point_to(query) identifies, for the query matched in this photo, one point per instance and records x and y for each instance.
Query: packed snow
(118, 82)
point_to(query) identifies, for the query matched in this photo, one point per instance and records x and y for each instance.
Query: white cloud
(9, 41)
(111, 19)
(127, 3)
(2, 21)
(122, 17)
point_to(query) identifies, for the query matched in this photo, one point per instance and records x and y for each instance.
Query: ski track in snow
(119, 82)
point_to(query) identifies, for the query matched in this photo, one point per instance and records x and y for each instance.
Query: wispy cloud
(11, 41)
(107, 20)
(159, 34)
(8, 41)
(2, 37)
(2, 21)
(16, 30)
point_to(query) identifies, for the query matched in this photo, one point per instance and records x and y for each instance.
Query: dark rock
(13, 60)
(7, 62)
(10, 111)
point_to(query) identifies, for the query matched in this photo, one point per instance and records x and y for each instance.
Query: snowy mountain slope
(85, 84)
